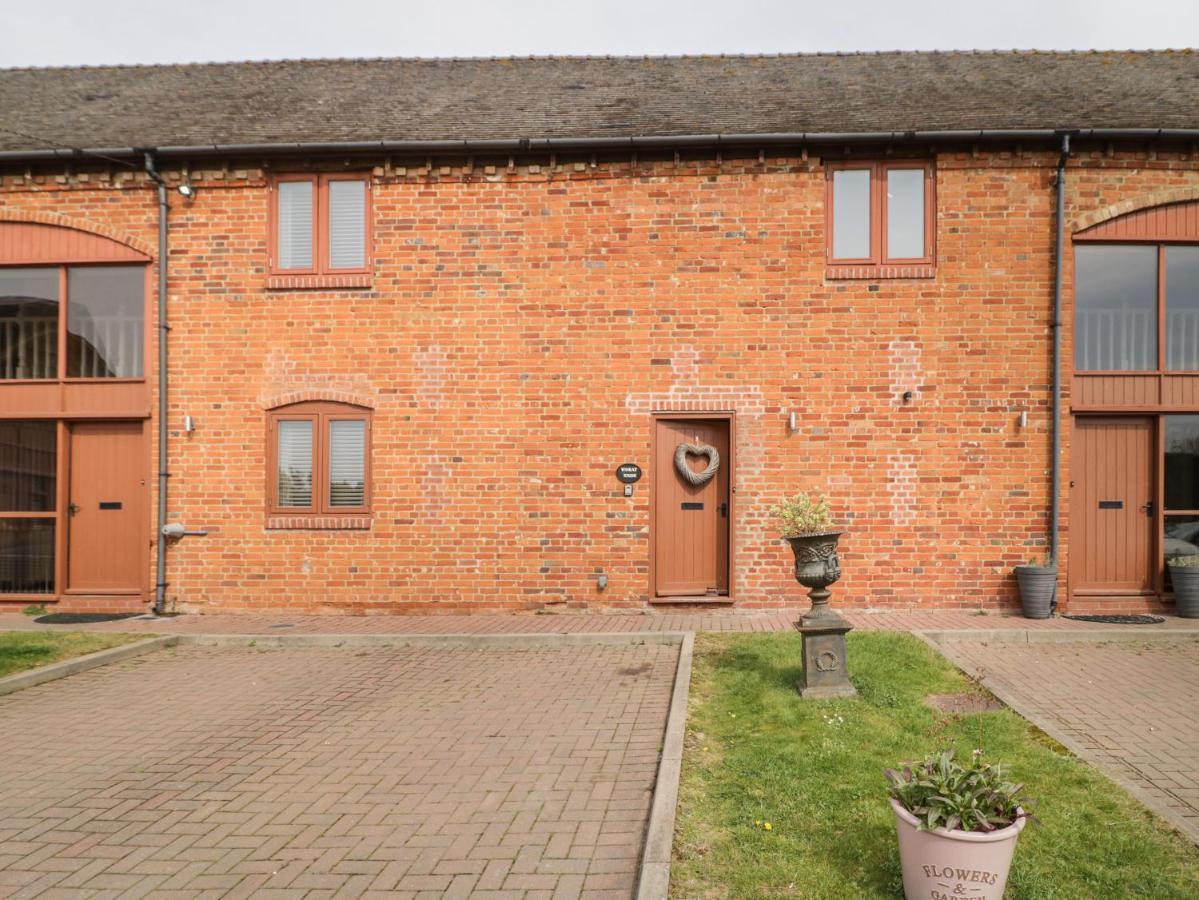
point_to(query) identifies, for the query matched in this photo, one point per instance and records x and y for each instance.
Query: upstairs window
(320, 224)
(1136, 307)
(101, 335)
(318, 459)
(880, 214)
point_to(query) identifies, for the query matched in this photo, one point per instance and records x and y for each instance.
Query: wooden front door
(691, 522)
(107, 511)
(1112, 512)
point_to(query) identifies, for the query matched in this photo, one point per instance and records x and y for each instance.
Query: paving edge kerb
(653, 879)
(1001, 693)
(1056, 636)
(73, 666)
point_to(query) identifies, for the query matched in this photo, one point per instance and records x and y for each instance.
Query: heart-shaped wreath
(692, 477)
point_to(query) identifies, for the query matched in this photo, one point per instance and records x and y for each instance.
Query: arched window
(318, 459)
(1137, 292)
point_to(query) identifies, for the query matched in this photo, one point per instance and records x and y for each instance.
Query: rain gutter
(525, 145)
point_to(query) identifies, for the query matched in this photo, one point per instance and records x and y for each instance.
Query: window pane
(1181, 539)
(905, 213)
(347, 224)
(1182, 462)
(851, 214)
(295, 225)
(28, 451)
(106, 311)
(347, 462)
(27, 556)
(28, 323)
(1182, 308)
(295, 462)
(1116, 308)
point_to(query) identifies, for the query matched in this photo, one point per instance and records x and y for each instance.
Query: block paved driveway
(398, 771)
(1129, 708)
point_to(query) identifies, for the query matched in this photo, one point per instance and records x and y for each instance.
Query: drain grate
(82, 618)
(1119, 620)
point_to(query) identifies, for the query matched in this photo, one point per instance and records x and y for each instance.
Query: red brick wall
(523, 325)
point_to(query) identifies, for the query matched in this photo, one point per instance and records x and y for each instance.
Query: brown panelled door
(1112, 517)
(107, 511)
(691, 522)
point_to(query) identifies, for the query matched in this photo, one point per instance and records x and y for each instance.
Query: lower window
(318, 459)
(28, 504)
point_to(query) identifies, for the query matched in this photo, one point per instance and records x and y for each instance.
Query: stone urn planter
(816, 567)
(1037, 584)
(805, 523)
(1184, 575)
(951, 864)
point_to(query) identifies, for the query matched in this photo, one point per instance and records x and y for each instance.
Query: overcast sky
(76, 32)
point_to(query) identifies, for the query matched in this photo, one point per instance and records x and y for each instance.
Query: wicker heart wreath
(696, 478)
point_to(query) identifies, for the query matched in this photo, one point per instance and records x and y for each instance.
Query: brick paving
(358, 770)
(655, 621)
(1127, 707)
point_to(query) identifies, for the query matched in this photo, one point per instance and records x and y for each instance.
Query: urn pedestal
(825, 673)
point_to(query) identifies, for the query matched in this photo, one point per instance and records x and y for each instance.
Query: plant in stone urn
(805, 522)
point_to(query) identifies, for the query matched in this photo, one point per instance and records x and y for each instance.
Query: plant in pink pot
(957, 827)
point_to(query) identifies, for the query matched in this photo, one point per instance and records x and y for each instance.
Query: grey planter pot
(1037, 587)
(1186, 590)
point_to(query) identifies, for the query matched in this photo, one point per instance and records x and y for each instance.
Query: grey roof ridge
(591, 57)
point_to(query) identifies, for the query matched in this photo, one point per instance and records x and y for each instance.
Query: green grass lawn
(756, 753)
(20, 650)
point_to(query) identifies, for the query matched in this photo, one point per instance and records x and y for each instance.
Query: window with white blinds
(321, 224)
(294, 462)
(295, 224)
(347, 462)
(347, 224)
(319, 452)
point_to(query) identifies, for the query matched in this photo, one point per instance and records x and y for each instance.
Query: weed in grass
(35, 609)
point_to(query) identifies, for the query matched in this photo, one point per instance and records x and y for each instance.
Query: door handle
(1148, 508)
(73, 508)
(724, 510)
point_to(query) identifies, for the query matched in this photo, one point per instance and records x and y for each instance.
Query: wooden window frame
(320, 413)
(878, 258)
(62, 325)
(320, 225)
(61, 503)
(1161, 246)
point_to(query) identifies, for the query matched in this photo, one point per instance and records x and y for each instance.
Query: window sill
(307, 282)
(879, 272)
(319, 523)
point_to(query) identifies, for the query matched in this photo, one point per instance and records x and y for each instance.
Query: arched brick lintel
(323, 396)
(142, 248)
(1088, 220)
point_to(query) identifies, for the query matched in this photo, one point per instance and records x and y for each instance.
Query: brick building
(420, 311)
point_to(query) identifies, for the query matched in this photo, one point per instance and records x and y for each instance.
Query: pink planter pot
(953, 865)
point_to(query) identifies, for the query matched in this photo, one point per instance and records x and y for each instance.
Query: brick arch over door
(1168, 216)
(53, 240)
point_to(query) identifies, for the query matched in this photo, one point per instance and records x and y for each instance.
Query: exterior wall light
(187, 191)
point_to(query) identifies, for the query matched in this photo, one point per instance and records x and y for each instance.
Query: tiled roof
(342, 100)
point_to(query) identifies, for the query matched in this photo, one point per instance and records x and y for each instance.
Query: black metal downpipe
(160, 563)
(1056, 478)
